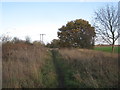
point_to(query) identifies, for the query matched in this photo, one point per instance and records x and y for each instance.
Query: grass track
(59, 71)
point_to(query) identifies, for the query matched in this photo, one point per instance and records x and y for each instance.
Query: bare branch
(107, 24)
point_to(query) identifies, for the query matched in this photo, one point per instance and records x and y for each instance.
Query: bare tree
(106, 23)
(119, 20)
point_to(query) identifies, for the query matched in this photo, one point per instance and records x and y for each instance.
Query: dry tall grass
(88, 68)
(31, 66)
(27, 66)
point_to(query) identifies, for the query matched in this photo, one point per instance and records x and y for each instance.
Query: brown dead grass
(23, 65)
(31, 66)
(91, 68)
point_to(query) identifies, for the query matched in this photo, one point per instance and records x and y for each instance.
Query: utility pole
(41, 38)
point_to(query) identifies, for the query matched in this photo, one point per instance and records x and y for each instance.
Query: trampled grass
(108, 49)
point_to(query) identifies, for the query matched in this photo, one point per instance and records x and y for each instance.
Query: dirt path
(58, 69)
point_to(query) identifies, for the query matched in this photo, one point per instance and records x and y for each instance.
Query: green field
(108, 49)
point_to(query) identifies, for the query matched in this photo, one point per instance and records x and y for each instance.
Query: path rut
(58, 69)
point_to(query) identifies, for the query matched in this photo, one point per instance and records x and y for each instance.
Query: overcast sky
(22, 19)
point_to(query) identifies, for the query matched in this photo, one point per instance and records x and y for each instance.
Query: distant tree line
(8, 39)
(15, 40)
